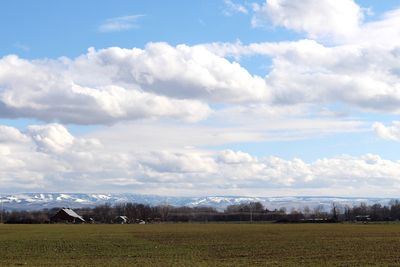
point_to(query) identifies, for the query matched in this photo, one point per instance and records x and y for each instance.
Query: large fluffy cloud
(384, 31)
(182, 72)
(318, 18)
(161, 81)
(360, 70)
(43, 157)
(387, 132)
(305, 71)
(51, 90)
(366, 77)
(125, 84)
(340, 21)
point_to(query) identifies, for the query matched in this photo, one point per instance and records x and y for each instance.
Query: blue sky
(263, 97)
(68, 28)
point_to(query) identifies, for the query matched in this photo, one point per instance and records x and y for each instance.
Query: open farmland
(200, 245)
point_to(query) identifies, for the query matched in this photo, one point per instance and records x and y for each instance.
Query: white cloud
(116, 84)
(340, 21)
(232, 157)
(51, 138)
(49, 158)
(232, 7)
(10, 134)
(182, 71)
(61, 90)
(118, 24)
(363, 76)
(167, 162)
(384, 31)
(232, 127)
(387, 132)
(317, 18)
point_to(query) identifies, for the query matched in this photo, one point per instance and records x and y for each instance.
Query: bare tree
(164, 210)
(334, 212)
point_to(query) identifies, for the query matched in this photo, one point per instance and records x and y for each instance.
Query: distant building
(67, 215)
(138, 221)
(121, 220)
(363, 218)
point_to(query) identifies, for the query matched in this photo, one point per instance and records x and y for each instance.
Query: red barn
(66, 215)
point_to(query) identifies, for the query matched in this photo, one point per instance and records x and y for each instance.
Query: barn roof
(122, 218)
(72, 213)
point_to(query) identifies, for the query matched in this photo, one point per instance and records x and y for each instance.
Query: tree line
(250, 212)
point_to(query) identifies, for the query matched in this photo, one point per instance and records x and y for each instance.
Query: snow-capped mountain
(36, 201)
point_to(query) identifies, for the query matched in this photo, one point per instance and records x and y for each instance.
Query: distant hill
(35, 201)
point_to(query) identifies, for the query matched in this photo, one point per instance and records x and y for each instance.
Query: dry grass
(200, 245)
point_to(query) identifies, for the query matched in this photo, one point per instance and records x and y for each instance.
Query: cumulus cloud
(182, 71)
(62, 91)
(51, 138)
(232, 157)
(162, 81)
(46, 157)
(10, 134)
(339, 22)
(387, 132)
(364, 76)
(361, 70)
(383, 31)
(49, 155)
(315, 17)
(116, 84)
(359, 76)
(118, 24)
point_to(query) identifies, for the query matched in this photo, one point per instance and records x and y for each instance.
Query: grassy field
(200, 245)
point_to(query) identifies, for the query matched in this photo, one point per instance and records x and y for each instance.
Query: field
(200, 245)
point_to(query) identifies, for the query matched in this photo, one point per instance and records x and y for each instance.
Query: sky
(200, 98)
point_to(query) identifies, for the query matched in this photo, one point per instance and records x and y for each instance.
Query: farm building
(363, 218)
(121, 220)
(67, 215)
(138, 221)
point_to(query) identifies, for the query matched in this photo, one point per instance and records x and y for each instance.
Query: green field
(200, 245)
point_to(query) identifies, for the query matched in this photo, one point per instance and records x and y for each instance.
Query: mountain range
(37, 201)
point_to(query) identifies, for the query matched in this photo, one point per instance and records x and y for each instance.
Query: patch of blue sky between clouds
(22, 124)
(320, 147)
(375, 9)
(256, 64)
(74, 26)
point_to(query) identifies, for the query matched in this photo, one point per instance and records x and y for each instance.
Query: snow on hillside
(34, 201)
